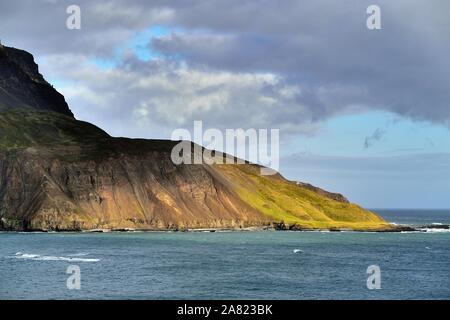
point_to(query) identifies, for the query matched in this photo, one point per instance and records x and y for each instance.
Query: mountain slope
(58, 173)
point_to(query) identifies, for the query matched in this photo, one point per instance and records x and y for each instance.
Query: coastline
(392, 228)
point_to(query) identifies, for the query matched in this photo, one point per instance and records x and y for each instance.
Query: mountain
(58, 173)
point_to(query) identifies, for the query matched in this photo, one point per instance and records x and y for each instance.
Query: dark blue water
(415, 217)
(226, 265)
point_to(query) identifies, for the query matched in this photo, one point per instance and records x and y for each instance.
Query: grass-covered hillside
(296, 205)
(28, 128)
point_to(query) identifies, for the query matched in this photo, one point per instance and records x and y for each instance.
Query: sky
(362, 112)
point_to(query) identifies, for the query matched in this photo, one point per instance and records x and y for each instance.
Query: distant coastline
(392, 228)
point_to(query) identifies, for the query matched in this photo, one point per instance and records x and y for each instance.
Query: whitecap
(37, 257)
(297, 250)
(82, 254)
(434, 230)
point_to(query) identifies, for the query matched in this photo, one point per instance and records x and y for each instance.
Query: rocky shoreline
(277, 227)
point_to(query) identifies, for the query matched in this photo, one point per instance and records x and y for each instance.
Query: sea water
(230, 265)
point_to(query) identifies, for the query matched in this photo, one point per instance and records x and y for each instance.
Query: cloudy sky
(363, 112)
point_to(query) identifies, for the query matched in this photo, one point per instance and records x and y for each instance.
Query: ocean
(230, 265)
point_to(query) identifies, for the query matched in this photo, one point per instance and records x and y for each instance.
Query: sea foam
(38, 257)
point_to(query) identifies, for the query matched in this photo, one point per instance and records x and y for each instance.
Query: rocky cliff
(58, 173)
(22, 86)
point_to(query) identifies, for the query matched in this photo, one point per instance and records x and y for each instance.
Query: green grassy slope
(285, 201)
(24, 128)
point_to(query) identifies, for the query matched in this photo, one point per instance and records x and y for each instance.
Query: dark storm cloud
(325, 44)
(286, 64)
(40, 25)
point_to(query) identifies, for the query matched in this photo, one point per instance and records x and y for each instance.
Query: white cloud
(174, 94)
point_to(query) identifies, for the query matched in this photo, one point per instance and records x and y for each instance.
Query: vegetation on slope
(297, 206)
(66, 138)
(24, 128)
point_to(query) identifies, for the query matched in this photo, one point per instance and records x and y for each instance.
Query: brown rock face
(145, 191)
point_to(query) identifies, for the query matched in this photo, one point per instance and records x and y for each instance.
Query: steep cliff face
(143, 191)
(57, 173)
(22, 86)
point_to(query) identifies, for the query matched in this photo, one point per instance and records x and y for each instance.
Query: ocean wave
(38, 257)
(433, 230)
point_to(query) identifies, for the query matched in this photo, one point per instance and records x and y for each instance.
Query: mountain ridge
(59, 173)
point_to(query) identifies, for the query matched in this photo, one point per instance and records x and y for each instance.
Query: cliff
(22, 86)
(58, 173)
